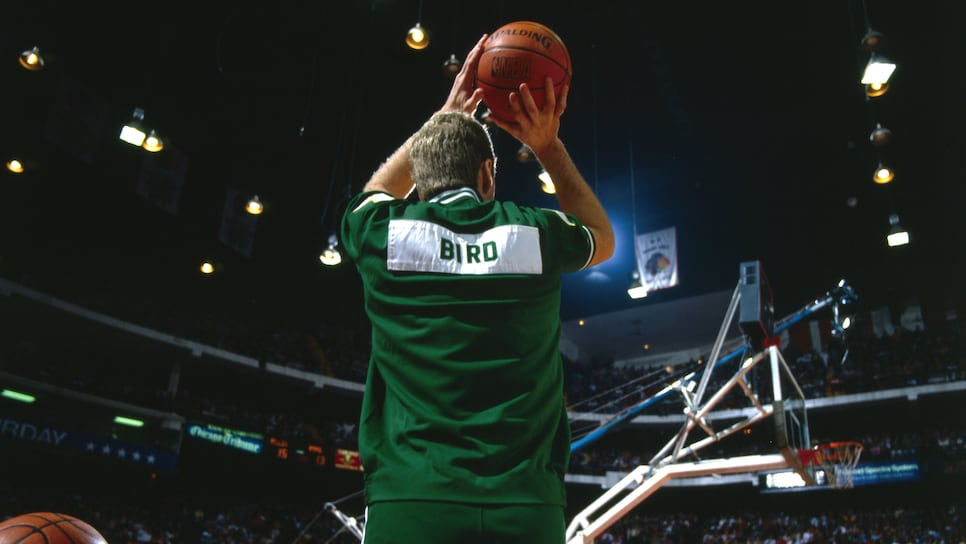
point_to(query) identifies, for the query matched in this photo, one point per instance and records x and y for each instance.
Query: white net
(838, 460)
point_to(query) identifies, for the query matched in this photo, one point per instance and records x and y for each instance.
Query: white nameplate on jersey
(421, 246)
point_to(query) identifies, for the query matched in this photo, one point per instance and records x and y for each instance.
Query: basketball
(521, 52)
(48, 528)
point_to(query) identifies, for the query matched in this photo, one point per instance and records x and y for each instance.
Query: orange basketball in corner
(521, 52)
(48, 528)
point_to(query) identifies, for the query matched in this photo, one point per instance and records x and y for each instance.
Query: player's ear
(486, 180)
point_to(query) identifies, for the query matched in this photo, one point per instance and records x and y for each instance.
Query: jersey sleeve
(570, 244)
(358, 214)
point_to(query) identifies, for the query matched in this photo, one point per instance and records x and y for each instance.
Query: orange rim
(831, 451)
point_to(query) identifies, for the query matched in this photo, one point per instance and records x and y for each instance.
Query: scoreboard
(300, 452)
(289, 451)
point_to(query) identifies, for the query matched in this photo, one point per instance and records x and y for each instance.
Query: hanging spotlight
(331, 256)
(486, 117)
(874, 90)
(15, 166)
(417, 38)
(254, 206)
(878, 70)
(451, 66)
(871, 41)
(525, 154)
(898, 236)
(637, 289)
(207, 268)
(133, 132)
(547, 183)
(153, 142)
(883, 174)
(32, 60)
(880, 135)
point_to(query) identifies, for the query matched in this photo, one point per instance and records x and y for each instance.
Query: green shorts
(431, 522)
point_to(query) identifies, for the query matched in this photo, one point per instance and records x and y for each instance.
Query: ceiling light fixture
(153, 142)
(637, 289)
(880, 135)
(547, 183)
(15, 166)
(525, 154)
(417, 38)
(878, 70)
(32, 60)
(254, 206)
(451, 66)
(331, 256)
(876, 89)
(897, 236)
(207, 268)
(871, 41)
(486, 117)
(133, 132)
(883, 174)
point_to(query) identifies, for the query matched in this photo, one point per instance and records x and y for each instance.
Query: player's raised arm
(538, 128)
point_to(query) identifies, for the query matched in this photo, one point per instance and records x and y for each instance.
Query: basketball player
(464, 434)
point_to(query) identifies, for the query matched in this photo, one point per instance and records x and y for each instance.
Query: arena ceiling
(742, 125)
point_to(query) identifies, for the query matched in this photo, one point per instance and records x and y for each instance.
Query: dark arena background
(162, 404)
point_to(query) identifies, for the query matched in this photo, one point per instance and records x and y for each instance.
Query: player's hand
(536, 127)
(462, 96)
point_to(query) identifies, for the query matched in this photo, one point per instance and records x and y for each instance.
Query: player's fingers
(473, 101)
(527, 101)
(562, 102)
(473, 57)
(550, 98)
(516, 107)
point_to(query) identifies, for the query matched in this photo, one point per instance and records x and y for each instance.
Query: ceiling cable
(312, 78)
(221, 37)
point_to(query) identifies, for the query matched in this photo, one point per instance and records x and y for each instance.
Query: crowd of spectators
(935, 524)
(152, 521)
(860, 363)
(948, 444)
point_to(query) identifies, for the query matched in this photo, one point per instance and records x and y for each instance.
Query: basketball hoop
(836, 459)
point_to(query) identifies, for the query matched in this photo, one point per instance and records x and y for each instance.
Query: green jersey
(464, 396)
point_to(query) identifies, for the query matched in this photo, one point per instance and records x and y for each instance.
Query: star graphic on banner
(151, 459)
(106, 449)
(136, 456)
(121, 453)
(90, 446)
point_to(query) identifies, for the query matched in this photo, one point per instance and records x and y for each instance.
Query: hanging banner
(657, 259)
